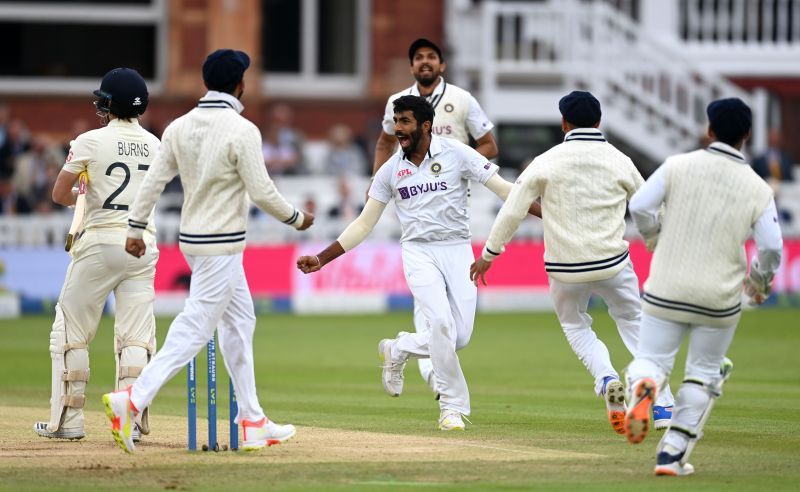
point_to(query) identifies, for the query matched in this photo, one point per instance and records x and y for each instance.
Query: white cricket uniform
(458, 115)
(116, 158)
(431, 204)
(712, 201)
(218, 155)
(584, 184)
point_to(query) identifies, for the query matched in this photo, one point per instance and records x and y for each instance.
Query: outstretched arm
(352, 236)
(502, 188)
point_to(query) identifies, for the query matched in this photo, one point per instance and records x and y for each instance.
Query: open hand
(308, 264)
(478, 270)
(135, 247)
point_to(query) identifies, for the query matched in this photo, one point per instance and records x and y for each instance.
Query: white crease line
(541, 451)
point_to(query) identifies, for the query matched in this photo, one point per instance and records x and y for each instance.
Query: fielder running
(584, 184)
(712, 201)
(458, 116)
(218, 155)
(116, 158)
(427, 179)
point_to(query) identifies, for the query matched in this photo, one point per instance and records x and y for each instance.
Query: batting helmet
(123, 93)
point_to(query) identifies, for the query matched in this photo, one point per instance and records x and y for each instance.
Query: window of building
(315, 47)
(65, 46)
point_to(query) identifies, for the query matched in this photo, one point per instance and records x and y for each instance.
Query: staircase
(528, 55)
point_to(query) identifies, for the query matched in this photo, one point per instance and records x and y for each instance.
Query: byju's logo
(407, 192)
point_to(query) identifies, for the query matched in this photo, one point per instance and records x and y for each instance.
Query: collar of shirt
(120, 122)
(726, 150)
(434, 96)
(215, 99)
(435, 148)
(588, 134)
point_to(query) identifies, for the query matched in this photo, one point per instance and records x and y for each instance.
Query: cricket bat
(80, 208)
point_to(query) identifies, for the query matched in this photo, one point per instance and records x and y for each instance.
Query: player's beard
(427, 80)
(414, 137)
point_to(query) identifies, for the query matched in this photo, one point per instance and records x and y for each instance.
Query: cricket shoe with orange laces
(637, 418)
(264, 432)
(119, 411)
(614, 395)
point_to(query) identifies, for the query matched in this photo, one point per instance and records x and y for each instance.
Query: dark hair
(423, 43)
(730, 119)
(419, 106)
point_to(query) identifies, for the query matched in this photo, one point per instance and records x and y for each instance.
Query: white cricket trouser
(421, 326)
(438, 276)
(96, 270)
(659, 342)
(621, 295)
(219, 299)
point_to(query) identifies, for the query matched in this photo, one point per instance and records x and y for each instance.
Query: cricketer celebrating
(584, 184)
(116, 159)
(712, 201)
(458, 115)
(427, 179)
(218, 155)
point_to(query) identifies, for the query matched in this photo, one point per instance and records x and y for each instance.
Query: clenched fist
(308, 264)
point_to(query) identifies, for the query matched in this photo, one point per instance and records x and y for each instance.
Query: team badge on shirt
(436, 168)
(449, 108)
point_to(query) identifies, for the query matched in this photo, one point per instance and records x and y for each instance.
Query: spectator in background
(775, 164)
(5, 115)
(15, 143)
(280, 120)
(344, 156)
(35, 173)
(776, 167)
(345, 208)
(11, 202)
(280, 157)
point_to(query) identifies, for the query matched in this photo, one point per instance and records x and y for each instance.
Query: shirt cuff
(296, 220)
(136, 229)
(489, 255)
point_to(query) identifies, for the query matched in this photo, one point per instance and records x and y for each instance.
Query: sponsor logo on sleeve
(487, 166)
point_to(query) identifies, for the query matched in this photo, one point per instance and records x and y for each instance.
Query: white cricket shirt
(431, 200)
(457, 113)
(117, 158)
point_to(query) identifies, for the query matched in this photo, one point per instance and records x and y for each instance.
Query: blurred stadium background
(317, 88)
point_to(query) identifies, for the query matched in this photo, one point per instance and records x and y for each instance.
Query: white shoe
(392, 372)
(670, 464)
(136, 433)
(62, 433)
(614, 395)
(119, 412)
(263, 433)
(450, 420)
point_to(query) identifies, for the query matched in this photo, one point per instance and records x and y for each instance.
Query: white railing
(772, 22)
(38, 231)
(643, 83)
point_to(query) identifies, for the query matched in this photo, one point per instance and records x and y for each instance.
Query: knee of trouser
(131, 356)
(462, 341)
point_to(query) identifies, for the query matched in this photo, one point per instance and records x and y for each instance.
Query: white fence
(39, 231)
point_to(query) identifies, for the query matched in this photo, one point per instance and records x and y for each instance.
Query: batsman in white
(116, 158)
(427, 179)
(711, 201)
(218, 155)
(458, 116)
(584, 184)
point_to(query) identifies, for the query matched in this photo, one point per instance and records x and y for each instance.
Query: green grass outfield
(527, 387)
